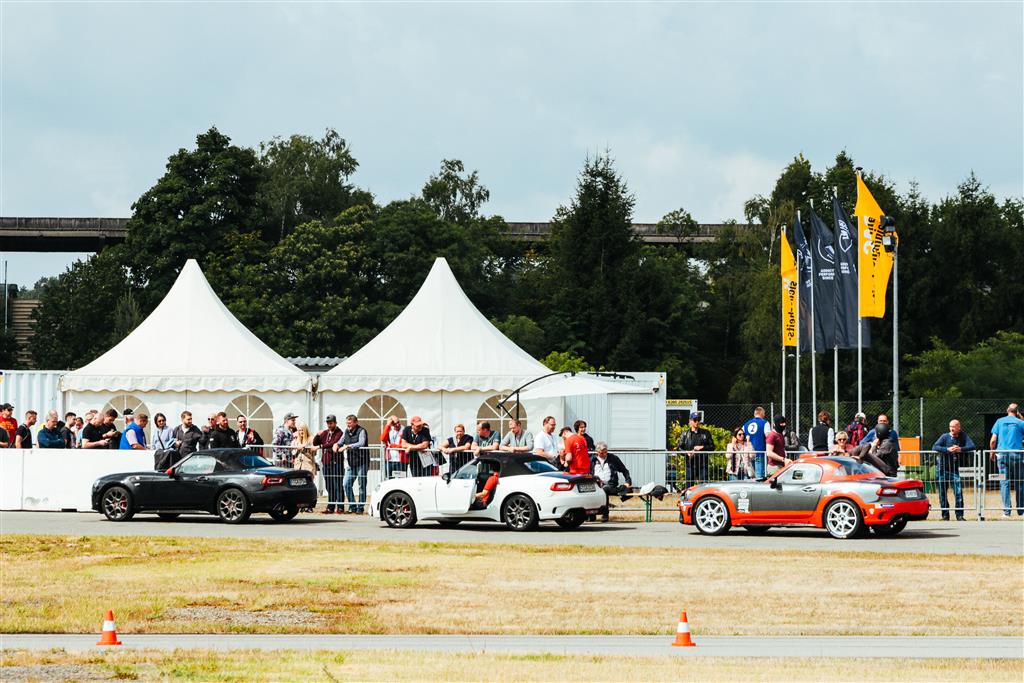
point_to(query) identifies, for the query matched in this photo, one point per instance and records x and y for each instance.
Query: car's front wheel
(232, 506)
(117, 504)
(519, 513)
(285, 514)
(843, 519)
(890, 529)
(398, 510)
(573, 520)
(711, 516)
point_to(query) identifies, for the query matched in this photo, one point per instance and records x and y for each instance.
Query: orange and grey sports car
(840, 494)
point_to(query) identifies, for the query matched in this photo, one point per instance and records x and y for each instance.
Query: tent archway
(122, 402)
(490, 411)
(257, 411)
(376, 410)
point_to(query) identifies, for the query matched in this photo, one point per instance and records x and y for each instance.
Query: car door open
(455, 495)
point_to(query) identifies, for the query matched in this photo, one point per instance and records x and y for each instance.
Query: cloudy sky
(701, 104)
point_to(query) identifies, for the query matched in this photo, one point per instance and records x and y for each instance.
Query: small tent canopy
(190, 342)
(440, 342)
(579, 385)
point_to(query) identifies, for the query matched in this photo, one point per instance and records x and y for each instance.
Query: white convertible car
(529, 490)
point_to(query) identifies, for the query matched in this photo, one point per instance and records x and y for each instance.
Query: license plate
(301, 481)
(586, 487)
(913, 493)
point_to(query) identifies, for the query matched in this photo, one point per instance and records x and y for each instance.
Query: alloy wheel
(711, 515)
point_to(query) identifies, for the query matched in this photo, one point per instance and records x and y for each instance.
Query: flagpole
(782, 231)
(860, 322)
(814, 368)
(835, 312)
(895, 337)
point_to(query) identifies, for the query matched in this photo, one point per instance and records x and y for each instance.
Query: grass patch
(290, 665)
(54, 584)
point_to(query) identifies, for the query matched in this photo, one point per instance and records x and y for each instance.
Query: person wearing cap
(283, 436)
(353, 444)
(695, 443)
(416, 442)
(8, 423)
(775, 447)
(333, 462)
(857, 430)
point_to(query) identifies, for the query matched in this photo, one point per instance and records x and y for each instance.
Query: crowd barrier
(991, 483)
(56, 479)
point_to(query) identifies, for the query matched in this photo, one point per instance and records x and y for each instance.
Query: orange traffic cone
(683, 638)
(109, 635)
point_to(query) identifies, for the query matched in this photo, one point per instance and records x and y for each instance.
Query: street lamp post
(890, 242)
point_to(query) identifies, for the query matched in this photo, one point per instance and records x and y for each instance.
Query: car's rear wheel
(449, 522)
(711, 516)
(519, 513)
(890, 529)
(284, 514)
(753, 529)
(117, 504)
(398, 510)
(232, 506)
(168, 515)
(843, 519)
(573, 520)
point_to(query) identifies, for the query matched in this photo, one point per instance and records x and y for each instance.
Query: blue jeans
(352, 474)
(1011, 466)
(759, 465)
(943, 479)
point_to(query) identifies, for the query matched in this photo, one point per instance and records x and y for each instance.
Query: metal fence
(925, 417)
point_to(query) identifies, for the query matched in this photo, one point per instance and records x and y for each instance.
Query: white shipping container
(36, 390)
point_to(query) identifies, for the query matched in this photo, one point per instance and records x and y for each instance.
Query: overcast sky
(700, 104)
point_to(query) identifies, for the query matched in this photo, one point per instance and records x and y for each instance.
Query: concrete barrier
(60, 479)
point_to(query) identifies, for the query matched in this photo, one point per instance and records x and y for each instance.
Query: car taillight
(888, 491)
(271, 481)
(562, 486)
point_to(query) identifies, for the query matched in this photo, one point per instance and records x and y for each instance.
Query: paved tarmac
(903, 647)
(993, 537)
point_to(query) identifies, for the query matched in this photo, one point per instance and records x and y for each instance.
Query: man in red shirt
(577, 456)
(8, 422)
(775, 446)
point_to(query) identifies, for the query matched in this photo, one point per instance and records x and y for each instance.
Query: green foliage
(993, 368)
(127, 314)
(454, 195)
(525, 333)
(9, 350)
(566, 361)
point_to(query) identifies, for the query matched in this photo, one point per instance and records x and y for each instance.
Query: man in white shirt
(545, 443)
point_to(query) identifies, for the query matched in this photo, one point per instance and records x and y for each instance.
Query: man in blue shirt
(757, 430)
(893, 436)
(947, 467)
(1008, 434)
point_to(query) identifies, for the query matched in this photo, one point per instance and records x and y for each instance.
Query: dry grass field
(290, 665)
(178, 585)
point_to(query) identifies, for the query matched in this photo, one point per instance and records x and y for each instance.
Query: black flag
(845, 237)
(824, 257)
(805, 275)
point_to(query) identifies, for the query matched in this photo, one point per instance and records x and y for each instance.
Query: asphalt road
(982, 538)
(921, 647)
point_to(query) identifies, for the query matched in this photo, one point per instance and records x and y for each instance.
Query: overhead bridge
(92, 234)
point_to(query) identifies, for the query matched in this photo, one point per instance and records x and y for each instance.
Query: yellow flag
(874, 264)
(789, 291)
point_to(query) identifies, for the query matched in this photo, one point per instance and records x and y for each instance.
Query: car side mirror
(774, 483)
(169, 472)
(447, 476)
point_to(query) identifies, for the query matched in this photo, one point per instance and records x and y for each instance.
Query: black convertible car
(231, 483)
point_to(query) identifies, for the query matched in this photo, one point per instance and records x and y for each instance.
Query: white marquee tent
(192, 353)
(441, 359)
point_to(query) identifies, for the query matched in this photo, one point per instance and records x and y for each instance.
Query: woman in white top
(739, 456)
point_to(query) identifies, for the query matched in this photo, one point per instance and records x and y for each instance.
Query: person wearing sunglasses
(842, 445)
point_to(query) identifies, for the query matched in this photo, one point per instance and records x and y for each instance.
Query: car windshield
(539, 466)
(251, 461)
(850, 466)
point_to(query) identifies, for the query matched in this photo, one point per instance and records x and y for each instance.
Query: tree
(566, 361)
(455, 196)
(307, 180)
(206, 197)
(9, 349)
(992, 369)
(524, 332)
(75, 317)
